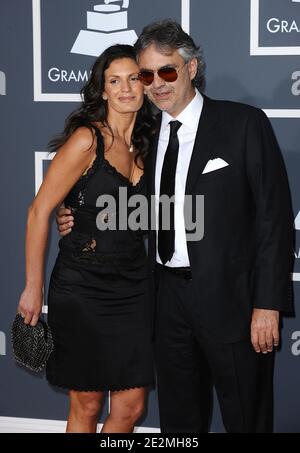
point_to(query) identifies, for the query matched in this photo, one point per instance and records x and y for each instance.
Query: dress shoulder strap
(100, 141)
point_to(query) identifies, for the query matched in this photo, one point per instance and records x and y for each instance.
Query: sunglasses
(167, 73)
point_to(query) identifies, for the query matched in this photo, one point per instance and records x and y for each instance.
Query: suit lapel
(204, 141)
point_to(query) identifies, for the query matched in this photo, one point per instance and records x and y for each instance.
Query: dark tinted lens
(146, 77)
(168, 74)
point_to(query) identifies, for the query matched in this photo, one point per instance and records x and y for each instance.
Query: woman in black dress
(97, 302)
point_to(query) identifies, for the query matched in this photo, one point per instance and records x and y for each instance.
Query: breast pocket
(220, 173)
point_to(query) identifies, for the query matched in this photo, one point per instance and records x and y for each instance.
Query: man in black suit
(218, 299)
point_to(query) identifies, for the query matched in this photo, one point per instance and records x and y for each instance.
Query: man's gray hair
(167, 35)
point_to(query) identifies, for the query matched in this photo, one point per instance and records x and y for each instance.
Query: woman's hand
(30, 305)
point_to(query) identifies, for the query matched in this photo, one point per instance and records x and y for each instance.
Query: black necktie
(166, 238)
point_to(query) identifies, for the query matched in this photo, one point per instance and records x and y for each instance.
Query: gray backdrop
(252, 53)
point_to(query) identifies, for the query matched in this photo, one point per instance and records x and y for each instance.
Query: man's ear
(192, 68)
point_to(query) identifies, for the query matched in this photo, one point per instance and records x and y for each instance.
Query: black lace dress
(98, 306)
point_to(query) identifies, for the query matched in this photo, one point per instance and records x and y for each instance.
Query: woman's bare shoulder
(82, 138)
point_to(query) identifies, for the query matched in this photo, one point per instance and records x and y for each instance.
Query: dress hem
(102, 388)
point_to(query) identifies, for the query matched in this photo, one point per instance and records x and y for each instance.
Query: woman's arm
(64, 171)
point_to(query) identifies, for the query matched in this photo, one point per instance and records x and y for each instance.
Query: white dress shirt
(189, 118)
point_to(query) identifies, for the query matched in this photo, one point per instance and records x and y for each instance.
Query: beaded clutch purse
(32, 345)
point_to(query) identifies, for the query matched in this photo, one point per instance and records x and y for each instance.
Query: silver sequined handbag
(32, 345)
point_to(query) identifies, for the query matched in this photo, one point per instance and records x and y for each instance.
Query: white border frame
(38, 94)
(2, 343)
(256, 50)
(39, 157)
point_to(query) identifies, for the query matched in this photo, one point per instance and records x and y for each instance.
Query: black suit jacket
(245, 257)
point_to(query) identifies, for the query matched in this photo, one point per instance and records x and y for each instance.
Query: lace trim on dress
(113, 171)
(109, 167)
(76, 197)
(90, 246)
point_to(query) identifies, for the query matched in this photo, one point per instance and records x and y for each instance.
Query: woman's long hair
(94, 108)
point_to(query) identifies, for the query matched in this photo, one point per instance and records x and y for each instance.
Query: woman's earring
(104, 97)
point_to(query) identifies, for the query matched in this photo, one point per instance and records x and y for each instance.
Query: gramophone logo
(2, 84)
(106, 25)
(275, 27)
(69, 34)
(297, 219)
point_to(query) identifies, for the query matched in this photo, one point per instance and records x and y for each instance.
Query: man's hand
(64, 220)
(264, 330)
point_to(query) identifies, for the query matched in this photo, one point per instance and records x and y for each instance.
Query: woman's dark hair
(94, 108)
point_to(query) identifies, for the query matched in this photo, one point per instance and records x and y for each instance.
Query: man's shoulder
(233, 108)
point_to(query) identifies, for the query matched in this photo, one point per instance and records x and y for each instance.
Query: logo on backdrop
(275, 27)
(2, 84)
(295, 348)
(297, 219)
(106, 25)
(296, 83)
(83, 30)
(2, 343)
(275, 30)
(296, 275)
(297, 227)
